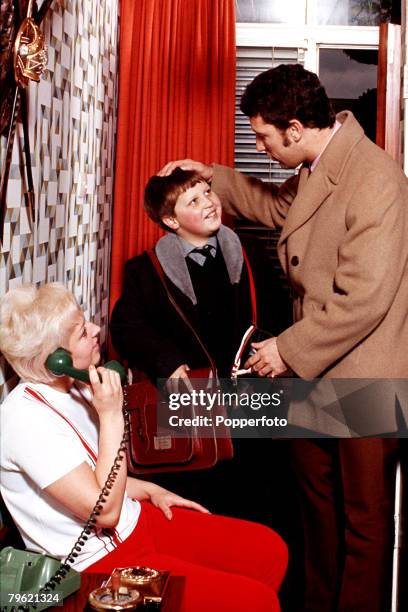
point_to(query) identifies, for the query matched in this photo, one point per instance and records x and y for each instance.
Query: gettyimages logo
(207, 400)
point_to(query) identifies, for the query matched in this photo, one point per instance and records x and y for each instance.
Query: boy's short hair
(161, 193)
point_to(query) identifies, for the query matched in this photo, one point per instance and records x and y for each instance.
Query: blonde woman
(59, 441)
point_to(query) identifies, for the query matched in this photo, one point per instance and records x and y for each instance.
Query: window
(318, 47)
(319, 12)
(350, 79)
(270, 11)
(354, 12)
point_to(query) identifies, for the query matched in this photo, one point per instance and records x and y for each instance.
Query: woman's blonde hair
(33, 323)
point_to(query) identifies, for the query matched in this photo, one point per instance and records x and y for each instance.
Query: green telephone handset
(60, 364)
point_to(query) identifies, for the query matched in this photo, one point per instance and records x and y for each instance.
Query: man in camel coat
(344, 248)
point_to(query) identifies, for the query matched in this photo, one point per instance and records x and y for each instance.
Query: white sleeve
(45, 448)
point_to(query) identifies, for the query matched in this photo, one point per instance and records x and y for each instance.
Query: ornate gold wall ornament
(23, 56)
(30, 53)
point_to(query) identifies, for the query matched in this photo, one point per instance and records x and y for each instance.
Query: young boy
(213, 291)
(205, 273)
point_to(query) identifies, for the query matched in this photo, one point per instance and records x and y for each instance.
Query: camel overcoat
(344, 248)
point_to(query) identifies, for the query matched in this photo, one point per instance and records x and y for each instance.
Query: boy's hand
(181, 372)
(204, 170)
(173, 380)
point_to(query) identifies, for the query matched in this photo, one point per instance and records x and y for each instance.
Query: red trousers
(230, 565)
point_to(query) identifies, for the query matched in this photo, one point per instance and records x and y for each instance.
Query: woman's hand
(163, 499)
(143, 490)
(107, 393)
(204, 170)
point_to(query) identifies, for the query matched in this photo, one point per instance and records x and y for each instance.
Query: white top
(45, 434)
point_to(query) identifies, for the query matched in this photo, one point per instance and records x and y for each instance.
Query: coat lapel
(313, 190)
(171, 256)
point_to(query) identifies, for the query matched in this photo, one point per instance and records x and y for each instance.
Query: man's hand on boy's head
(204, 170)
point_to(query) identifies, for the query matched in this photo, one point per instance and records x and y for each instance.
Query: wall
(72, 132)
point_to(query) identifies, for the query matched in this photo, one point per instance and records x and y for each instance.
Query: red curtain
(176, 100)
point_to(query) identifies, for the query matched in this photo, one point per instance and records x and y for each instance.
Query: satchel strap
(251, 288)
(156, 263)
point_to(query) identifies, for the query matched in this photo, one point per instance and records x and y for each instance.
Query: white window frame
(307, 37)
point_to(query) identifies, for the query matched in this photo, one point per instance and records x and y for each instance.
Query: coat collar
(313, 190)
(170, 253)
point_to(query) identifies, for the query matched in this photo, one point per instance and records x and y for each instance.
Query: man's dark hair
(161, 193)
(288, 92)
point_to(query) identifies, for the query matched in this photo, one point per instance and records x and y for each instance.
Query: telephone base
(131, 588)
(24, 573)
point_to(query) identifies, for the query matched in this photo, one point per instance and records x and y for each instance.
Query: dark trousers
(347, 497)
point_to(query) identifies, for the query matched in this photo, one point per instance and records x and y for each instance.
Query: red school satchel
(152, 448)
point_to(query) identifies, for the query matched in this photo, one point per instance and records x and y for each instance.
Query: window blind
(250, 62)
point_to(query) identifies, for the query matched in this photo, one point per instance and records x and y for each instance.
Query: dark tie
(205, 251)
(205, 255)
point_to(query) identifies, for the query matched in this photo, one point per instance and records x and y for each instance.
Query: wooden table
(78, 601)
